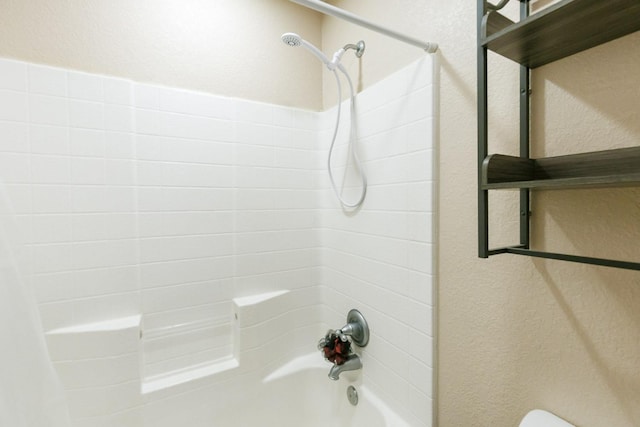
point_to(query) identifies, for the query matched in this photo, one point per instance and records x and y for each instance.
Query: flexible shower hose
(351, 144)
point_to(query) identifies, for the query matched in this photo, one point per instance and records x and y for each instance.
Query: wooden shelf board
(610, 168)
(564, 29)
(630, 180)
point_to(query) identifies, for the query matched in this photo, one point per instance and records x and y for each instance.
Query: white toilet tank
(540, 418)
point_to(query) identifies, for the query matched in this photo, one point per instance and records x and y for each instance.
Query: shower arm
(359, 48)
(337, 57)
(328, 9)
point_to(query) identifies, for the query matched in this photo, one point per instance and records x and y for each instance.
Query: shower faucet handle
(356, 327)
(348, 329)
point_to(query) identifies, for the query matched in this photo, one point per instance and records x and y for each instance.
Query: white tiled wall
(276, 230)
(67, 159)
(141, 199)
(137, 199)
(217, 198)
(380, 259)
(100, 368)
(185, 172)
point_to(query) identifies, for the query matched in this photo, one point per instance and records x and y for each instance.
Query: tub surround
(381, 260)
(99, 365)
(168, 229)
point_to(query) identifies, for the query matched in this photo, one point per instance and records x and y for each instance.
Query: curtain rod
(328, 9)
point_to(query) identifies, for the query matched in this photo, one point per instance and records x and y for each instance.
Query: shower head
(294, 40)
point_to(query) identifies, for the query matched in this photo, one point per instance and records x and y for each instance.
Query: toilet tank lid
(540, 418)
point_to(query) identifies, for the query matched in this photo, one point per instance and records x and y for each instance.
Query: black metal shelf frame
(523, 248)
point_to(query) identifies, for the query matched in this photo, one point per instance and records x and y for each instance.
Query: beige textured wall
(383, 55)
(226, 47)
(517, 333)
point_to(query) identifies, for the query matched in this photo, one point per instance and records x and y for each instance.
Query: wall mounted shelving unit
(565, 28)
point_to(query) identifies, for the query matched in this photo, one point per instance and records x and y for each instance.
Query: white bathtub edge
(314, 361)
(166, 381)
(301, 363)
(390, 417)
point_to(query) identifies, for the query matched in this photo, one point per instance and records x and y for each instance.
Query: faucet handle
(356, 327)
(348, 329)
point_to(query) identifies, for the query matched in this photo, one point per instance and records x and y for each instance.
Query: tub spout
(353, 362)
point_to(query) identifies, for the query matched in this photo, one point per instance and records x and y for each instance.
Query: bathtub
(258, 386)
(299, 394)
